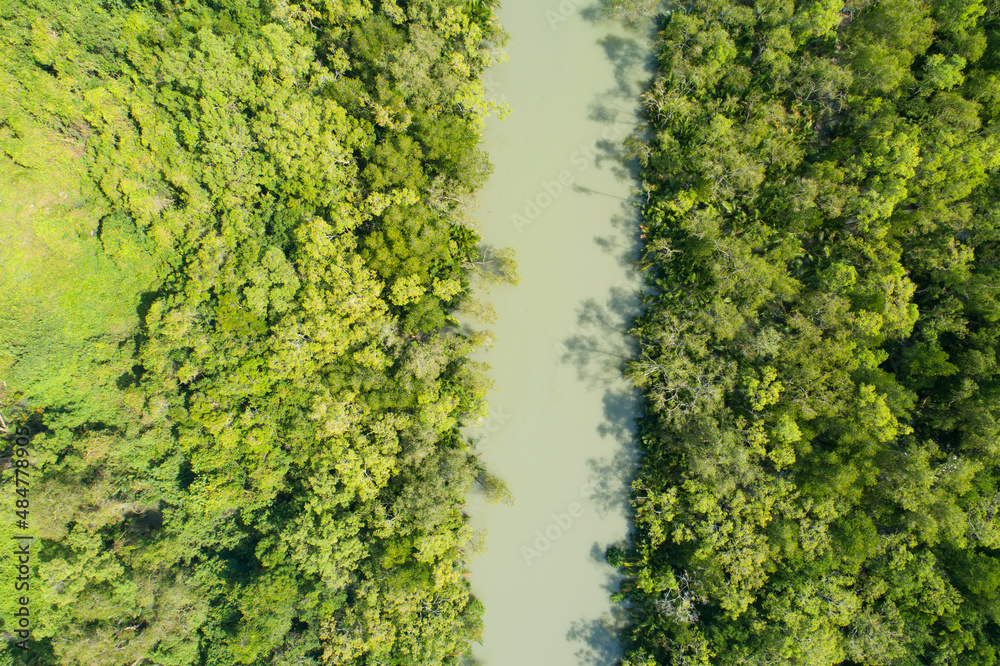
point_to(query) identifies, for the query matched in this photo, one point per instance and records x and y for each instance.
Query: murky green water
(561, 429)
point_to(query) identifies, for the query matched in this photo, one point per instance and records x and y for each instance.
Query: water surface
(562, 423)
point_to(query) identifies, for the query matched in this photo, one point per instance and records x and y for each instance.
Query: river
(562, 418)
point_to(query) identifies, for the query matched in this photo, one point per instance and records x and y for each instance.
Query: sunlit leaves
(818, 361)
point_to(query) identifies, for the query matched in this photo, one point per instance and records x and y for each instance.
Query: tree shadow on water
(620, 409)
(633, 60)
(599, 350)
(623, 242)
(630, 59)
(600, 347)
(610, 477)
(598, 639)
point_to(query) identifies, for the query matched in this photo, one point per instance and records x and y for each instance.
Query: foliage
(819, 480)
(251, 226)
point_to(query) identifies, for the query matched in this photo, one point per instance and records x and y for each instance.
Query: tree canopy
(240, 235)
(819, 480)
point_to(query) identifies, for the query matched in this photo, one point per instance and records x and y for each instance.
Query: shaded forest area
(238, 240)
(821, 209)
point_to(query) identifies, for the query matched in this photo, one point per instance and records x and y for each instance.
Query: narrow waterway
(561, 428)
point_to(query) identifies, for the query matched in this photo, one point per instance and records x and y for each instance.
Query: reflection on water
(561, 195)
